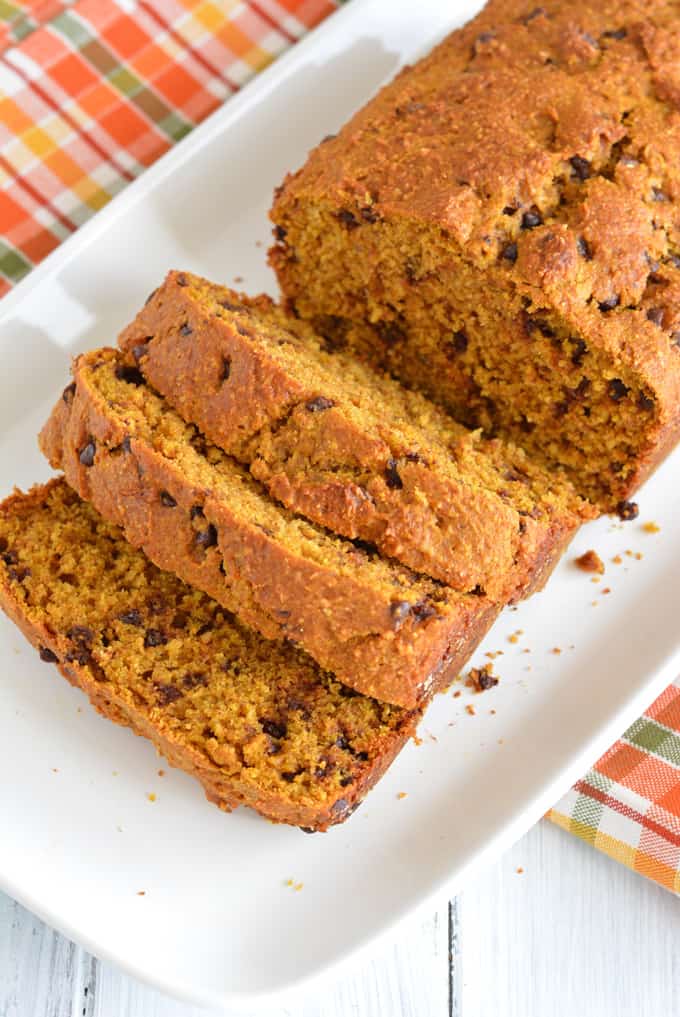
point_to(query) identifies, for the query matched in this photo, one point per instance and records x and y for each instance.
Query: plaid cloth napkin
(91, 93)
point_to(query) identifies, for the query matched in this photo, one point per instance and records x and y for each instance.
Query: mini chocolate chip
(580, 350)
(580, 166)
(182, 280)
(10, 558)
(179, 620)
(509, 210)
(658, 194)
(274, 729)
(280, 233)
(318, 404)
(207, 537)
(627, 511)
(167, 500)
(151, 296)
(390, 332)
(459, 341)
(423, 610)
(132, 617)
(415, 457)
(526, 426)
(154, 637)
(645, 402)
(536, 13)
(655, 315)
(347, 218)
(186, 329)
(560, 409)
(196, 511)
(141, 350)
(368, 215)
(290, 775)
(509, 252)
(87, 452)
(328, 137)
(47, 655)
(342, 805)
(486, 681)
(392, 475)
(68, 393)
(617, 390)
(131, 375)
(531, 219)
(342, 743)
(229, 305)
(583, 248)
(615, 33)
(310, 829)
(399, 610)
(80, 634)
(166, 694)
(609, 305)
(156, 605)
(226, 369)
(192, 681)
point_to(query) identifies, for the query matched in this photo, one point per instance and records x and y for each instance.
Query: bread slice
(498, 226)
(347, 447)
(379, 627)
(257, 723)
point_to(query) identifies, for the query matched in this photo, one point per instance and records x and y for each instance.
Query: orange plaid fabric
(91, 93)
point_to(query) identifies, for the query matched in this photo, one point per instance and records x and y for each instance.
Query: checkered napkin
(94, 91)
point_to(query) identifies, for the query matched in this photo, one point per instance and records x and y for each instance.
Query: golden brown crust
(221, 787)
(367, 636)
(539, 147)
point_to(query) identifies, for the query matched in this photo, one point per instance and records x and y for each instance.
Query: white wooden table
(572, 935)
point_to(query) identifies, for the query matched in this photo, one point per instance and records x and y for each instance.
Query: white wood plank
(574, 934)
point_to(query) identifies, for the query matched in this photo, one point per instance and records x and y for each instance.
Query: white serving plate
(217, 924)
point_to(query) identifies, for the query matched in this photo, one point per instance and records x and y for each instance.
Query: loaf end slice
(379, 627)
(258, 724)
(346, 446)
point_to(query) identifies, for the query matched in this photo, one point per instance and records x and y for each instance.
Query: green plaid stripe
(648, 736)
(13, 265)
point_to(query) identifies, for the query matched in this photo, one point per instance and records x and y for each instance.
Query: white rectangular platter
(80, 837)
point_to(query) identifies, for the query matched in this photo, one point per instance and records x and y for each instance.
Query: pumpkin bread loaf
(257, 723)
(379, 627)
(348, 448)
(500, 227)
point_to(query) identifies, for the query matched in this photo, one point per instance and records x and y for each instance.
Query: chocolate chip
(68, 393)
(390, 332)
(154, 637)
(274, 728)
(536, 13)
(583, 248)
(290, 775)
(658, 194)
(580, 166)
(280, 233)
(342, 743)
(207, 537)
(10, 558)
(182, 280)
(368, 215)
(141, 350)
(645, 402)
(609, 305)
(415, 457)
(131, 618)
(459, 341)
(532, 219)
(509, 210)
(423, 610)
(347, 218)
(192, 681)
(399, 611)
(156, 605)
(80, 634)
(186, 329)
(180, 620)
(627, 511)
(580, 350)
(318, 404)
(131, 375)
(166, 694)
(151, 296)
(167, 500)
(196, 511)
(615, 33)
(392, 477)
(526, 426)
(328, 137)
(229, 305)
(87, 453)
(47, 655)
(560, 409)
(341, 806)
(509, 252)
(617, 390)
(655, 315)
(226, 369)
